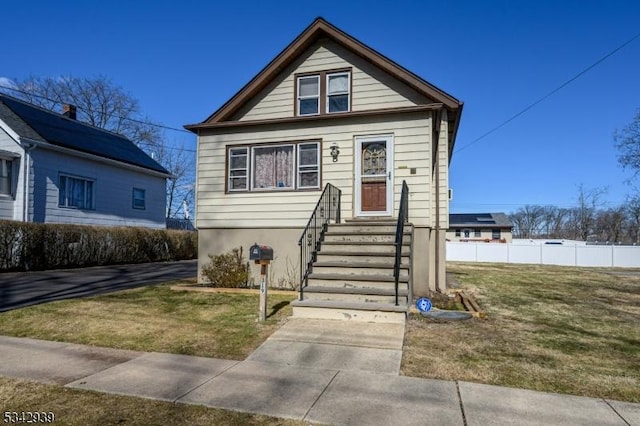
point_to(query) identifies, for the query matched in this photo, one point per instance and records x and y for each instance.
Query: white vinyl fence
(567, 255)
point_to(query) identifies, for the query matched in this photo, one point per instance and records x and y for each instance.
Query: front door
(374, 177)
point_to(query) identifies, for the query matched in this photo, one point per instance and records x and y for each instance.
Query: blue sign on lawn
(424, 304)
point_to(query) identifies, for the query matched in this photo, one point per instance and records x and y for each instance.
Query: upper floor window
(76, 192)
(323, 93)
(309, 95)
(6, 176)
(338, 92)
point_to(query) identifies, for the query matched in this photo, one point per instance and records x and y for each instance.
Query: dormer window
(309, 95)
(326, 92)
(338, 92)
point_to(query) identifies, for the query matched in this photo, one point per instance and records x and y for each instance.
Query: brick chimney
(69, 111)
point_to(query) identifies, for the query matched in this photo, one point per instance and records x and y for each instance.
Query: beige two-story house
(327, 110)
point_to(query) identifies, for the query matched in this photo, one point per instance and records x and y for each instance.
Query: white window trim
(347, 92)
(253, 163)
(300, 98)
(76, 177)
(308, 167)
(247, 169)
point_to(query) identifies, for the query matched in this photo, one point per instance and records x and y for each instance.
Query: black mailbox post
(262, 255)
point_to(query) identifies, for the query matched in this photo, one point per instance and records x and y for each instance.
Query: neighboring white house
(55, 169)
(265, 156)
(480, 227)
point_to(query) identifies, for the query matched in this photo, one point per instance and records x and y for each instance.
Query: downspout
(26, 177)
(438, 119)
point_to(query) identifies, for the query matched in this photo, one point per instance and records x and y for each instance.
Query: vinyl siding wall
(113, 192)
(11, 207)
(286, 209)
(371, 88)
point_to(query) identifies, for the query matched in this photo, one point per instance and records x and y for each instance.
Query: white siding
(113, 192)
(371, 88)
(11, 207)
(292, 208)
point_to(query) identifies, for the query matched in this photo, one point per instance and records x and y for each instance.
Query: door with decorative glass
(374, 177)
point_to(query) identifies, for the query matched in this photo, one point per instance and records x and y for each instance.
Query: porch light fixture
(335, 152)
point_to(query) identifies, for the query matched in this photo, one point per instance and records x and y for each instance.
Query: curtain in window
(273, 167)
(338, 84)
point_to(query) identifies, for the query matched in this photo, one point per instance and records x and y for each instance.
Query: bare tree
(632, 215)
(99, 102)
(627, 141)
(609, 224)
(528, 221)
(582, 218)
(180, 188)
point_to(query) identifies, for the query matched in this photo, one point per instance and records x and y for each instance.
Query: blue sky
(183, 60)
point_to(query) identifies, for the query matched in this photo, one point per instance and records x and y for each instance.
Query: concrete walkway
(332, 373)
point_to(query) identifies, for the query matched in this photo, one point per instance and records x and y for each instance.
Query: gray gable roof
(39, 124)
(480, 220)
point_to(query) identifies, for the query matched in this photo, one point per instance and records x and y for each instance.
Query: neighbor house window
(274, 167)
(495, 234)
(6, 169)
(139, 198)
(457, 232)
(477, 233)
(467, 232)
(76, 192)
(323, 93)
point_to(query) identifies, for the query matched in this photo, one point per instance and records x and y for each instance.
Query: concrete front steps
(352, 278)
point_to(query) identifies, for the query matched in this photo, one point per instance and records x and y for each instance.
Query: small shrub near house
(38, 246)
(227, 270)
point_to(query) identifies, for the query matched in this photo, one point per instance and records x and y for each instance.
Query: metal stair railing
(403, 217)
(327, 209)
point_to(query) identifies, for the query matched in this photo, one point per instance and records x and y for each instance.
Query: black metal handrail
(403, 217)
(327, 209)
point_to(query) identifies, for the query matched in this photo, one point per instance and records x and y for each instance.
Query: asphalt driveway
(20, 289)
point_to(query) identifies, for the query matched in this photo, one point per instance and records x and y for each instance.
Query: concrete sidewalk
(313, 376)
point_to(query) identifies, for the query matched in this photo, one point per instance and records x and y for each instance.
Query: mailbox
(261, 254)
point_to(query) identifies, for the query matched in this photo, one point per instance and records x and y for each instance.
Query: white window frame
(7, 164)
(301, 98)
(144, 198)
(253, 164)
(347, 92)
(92, 191)
(246, 169)
(308, 168)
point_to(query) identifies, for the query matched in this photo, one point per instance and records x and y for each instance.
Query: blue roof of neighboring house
(39, 124)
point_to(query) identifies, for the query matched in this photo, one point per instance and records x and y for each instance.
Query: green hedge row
(37, 246)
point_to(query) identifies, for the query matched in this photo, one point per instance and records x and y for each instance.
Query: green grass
(557, 329)
(79, 407)
(155, 318)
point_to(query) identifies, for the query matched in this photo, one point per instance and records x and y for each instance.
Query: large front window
(6, 169)
(76, 192)
(274, 167)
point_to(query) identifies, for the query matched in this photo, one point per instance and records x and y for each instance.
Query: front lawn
(548, 328)
(155, 318)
